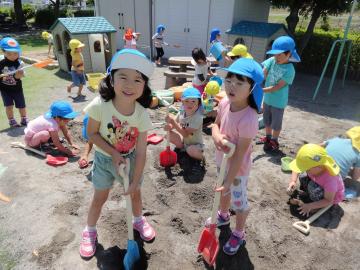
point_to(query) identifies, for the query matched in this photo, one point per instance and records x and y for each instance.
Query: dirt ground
(41, 227)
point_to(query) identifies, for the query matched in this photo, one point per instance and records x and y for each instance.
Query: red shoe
(274, 145)
(263, 140)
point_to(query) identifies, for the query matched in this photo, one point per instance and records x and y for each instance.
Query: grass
(37, 86)
(6, 261)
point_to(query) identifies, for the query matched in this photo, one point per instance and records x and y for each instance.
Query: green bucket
(166, 95)
(285, 162)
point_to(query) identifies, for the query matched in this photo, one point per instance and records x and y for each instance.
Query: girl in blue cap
(11, 85)
(237, 122)
(158, 39)
(186, 127)
(118, 124)
(47, 126)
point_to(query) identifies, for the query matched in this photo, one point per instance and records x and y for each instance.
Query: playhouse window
(239, 40)
(97, 46)
(58, 44)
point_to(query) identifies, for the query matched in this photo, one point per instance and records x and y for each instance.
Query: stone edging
(29, 60)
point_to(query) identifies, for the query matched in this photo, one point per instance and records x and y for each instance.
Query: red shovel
(168, 157)
(209, 243)
(51, 160)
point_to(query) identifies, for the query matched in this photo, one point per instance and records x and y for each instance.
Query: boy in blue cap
(11, 85)
(186, 127)
(279, 74)
(47, 126)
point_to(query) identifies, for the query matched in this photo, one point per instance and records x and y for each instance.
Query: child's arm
(274, 88)
(235, 162)
(95, 137)
(140, 159)
(265, 73)
(217, 136)
(292, 183)
(68, 137)
(184, 132)
(307, 207)
(55, 138)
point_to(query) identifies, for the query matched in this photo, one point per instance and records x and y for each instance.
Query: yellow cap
(212, 88)
(313, 155)
(45, 35)
(354, 135)
(240, 50)
(75, 43)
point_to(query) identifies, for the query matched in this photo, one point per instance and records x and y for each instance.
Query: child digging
(279, 74)
(237, 122)
(77, 66)
(118, 125)
(47, 126)
(11, 85)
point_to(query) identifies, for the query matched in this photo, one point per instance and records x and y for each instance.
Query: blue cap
(131, 59)
(9, 44)
(217, 79)
(160, 28)
(190, 92)
(251, 69)
(61, 109)
(214, 32)
(284, 44)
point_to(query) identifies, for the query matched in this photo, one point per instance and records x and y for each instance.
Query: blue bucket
(216, 49)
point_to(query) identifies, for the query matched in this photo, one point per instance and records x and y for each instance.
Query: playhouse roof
(85, 25)
(255, 29)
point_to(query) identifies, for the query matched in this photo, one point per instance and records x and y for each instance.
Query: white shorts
(239, 201)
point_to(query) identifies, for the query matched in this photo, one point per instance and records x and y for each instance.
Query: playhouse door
(97, 52)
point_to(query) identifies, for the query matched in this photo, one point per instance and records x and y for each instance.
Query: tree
(19, 14)
(56, 5)
(313, 9)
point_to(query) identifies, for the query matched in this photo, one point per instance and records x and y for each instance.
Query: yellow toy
(212, 88)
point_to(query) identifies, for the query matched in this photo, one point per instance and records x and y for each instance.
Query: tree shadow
(63, 75)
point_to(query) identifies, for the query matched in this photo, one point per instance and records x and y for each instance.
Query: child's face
(190, 105)
(218, 36)
(237, 90)
(316, 170)
(128, 84)
(12, 56)
(62, 121)
(282, 58)
(79, 50)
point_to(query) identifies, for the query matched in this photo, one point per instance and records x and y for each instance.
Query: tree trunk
(19, 14)
(293, 18)
(57, 9)
(310, 29)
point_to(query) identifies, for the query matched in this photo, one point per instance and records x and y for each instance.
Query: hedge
(314, 56)
(46, 17)
(28, 10)
(84, 13)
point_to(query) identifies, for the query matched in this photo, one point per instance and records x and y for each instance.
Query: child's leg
(267, 120)
(195, 151)
(9, 112)
(176, 139)
(22, 112)
(38, 138)
(80, 89)
(136, 203)
(100, 197)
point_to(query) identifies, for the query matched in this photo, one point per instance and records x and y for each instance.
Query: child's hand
(168, 127)
(75, 146)
(218, 140)
(305, 209)
(19, 74)
(291, 188)
(117, 159)
(132, 188)
(225, 188)
(170, 119)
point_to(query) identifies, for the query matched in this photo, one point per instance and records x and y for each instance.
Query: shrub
(314, 56)
(29, 12)
(45, 17)
(5, 12)
(84, 13)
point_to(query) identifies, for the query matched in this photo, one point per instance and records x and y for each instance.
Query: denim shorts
(103, 171)
(78, 78)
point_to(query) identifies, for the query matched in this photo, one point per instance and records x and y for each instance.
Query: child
(130, 39)
(158, 39)
(237, 122)
(11, 85)
(84, 158)
(186, 127)
(118, 125)
(47, 36)
(345, 152)
(322, 184)
(237, 52)
(201, 69)
(47, 126)
(279, 74)
(77, 66)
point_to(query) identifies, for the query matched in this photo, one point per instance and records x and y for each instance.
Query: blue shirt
(344, 154)
(276, 73)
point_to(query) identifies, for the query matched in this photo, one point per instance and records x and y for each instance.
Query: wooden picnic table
(183, 61)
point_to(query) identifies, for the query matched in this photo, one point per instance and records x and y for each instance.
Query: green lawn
(38, 86)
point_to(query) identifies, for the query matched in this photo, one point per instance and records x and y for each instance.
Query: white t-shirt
(118, 130)
(200, 70)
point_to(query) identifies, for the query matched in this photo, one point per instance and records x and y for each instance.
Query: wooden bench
(175, 78)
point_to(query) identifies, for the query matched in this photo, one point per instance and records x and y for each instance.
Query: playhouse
(95, 32)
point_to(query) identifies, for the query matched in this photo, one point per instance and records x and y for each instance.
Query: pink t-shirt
(330, 184)
(41, 123)
(236, 125)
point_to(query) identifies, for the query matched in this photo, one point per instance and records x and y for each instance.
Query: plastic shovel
(51, 160)
(304, 226)
(168, 157)
(209, 243)
(40, 64)
(132, 254)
